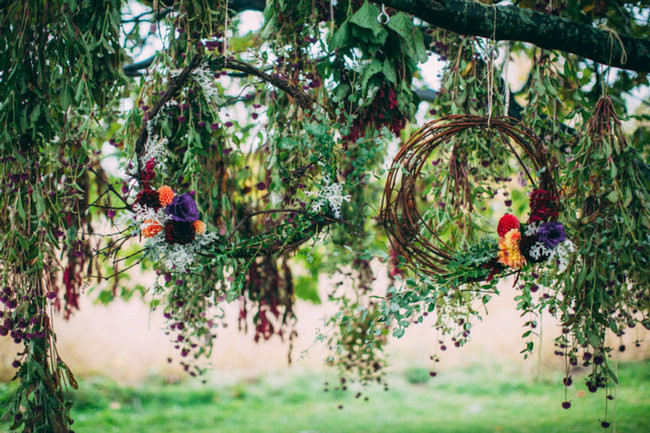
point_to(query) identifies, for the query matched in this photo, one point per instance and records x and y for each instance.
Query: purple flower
(551, 234)
(183, 208)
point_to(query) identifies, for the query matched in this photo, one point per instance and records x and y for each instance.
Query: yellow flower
(509, 252)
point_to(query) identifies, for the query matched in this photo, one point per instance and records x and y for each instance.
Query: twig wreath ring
(426, 243)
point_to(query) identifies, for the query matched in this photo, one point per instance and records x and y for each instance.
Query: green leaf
(317, 129)
(389, 71)
(341, 37)
(35, 113)
(402, 24)
(105, 296)
(612, 197)
(366, 17)
(612, 375)
(373, 68)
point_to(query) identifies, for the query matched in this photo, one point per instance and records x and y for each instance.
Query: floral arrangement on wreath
(541, 239)
(169, 222)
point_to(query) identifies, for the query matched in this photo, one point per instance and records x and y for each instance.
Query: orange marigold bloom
(166, 195)
(509, 252)
(151, 227)
(199, 227)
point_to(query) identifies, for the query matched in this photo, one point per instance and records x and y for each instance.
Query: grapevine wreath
(428, 248)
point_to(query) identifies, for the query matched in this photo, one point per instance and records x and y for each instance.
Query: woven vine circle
(410, 235)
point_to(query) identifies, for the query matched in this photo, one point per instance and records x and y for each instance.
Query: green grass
(471, 401)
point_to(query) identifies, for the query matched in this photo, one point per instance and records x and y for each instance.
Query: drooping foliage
(241, 167)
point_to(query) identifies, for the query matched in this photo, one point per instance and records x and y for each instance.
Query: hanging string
(506, 86)
(490, 65)
(490, 84)
(613, 36)
(225, 32)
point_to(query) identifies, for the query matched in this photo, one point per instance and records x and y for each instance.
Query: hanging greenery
(246, 165)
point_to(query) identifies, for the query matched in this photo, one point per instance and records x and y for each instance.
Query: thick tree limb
(247, 5)
(517, 24)
(513, 24)
(134, 69)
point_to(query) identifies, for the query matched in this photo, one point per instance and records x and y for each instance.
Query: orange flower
(166, 195)
(199, 227)
(509, 252)
(151, 228)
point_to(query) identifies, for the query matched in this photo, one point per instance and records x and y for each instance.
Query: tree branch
(215, 63)
(134, 69)
(517, 24)
(247, 5)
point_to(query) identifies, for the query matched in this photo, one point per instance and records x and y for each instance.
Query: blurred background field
(120, 352)
(478, 399)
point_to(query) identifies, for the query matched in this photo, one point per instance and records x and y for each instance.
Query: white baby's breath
(204, 79)
(155, 148)
(331, 193)
(175, 257)
(563, 253)
(532, 229)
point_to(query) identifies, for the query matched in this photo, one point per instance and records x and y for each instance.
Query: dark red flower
(543, 206)
(148, 197)
(179, 232)
(148, 174)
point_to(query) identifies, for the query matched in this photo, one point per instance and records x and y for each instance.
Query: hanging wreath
(431, 248)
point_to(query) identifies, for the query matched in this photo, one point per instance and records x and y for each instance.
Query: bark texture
(517, 24)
